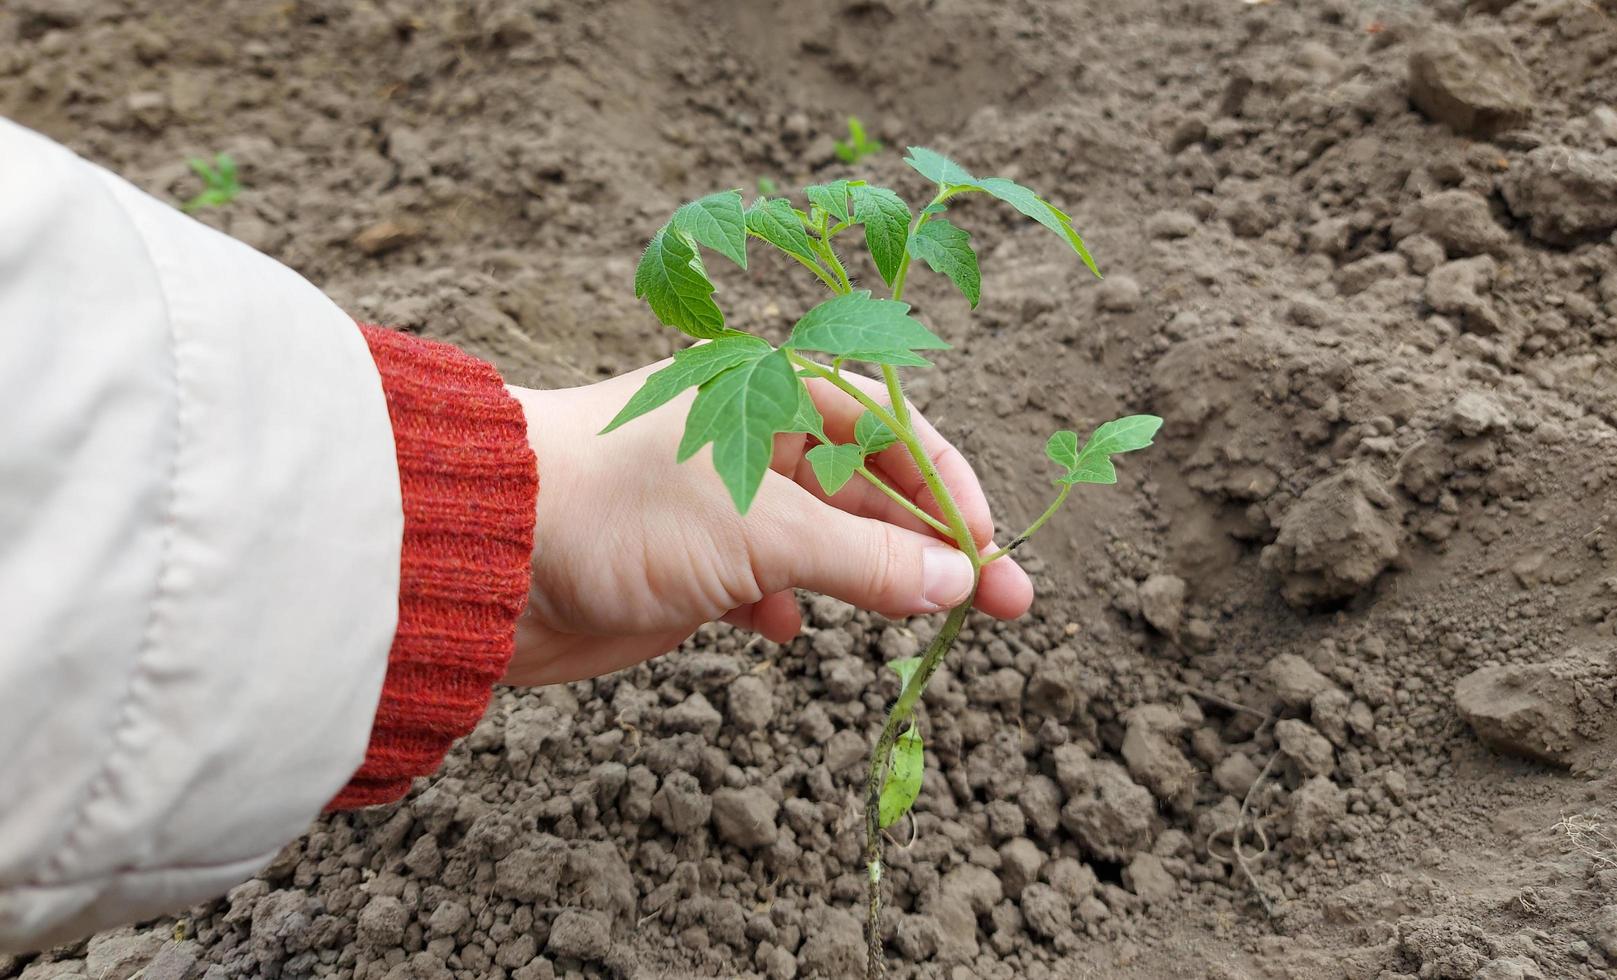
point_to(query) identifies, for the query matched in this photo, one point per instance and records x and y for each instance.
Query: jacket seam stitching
(96, 787)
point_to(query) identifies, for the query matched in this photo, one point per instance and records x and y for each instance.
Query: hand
(633, 551)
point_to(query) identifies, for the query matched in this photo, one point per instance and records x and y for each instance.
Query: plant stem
(1016, 542)
(900, 713)
(905, 502)
(915, 226)
(823, 246)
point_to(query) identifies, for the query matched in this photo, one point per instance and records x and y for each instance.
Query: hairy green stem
(904, 502)
(813, 267)
(1049, 512)
(901, 711)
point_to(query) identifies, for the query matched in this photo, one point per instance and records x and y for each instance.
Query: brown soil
(1385, 341)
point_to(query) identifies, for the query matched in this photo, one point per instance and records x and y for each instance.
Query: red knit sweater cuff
(469, 482)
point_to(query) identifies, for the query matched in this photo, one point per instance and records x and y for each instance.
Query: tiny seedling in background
(219, 183)
(766, 187)
(749, 390)
(856, 147)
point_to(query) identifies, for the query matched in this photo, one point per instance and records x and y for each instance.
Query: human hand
(633, 551)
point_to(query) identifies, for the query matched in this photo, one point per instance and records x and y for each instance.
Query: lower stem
(1049, 512)
(896, 718)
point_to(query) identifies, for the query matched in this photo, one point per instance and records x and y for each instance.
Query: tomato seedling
(749, 390)
(857, 146)
(220, 184)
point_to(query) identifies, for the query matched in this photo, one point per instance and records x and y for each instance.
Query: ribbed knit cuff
(469, 482)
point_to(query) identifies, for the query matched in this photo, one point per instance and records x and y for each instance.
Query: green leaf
(1124, 435)
(947, 249)
(203, 169)
(936, 167)
(225, 167)
(1062, 448)
(905, 764)
(834, 466)
(777, 223)
(887, 224)
(857, 327)
(1093, 463)
(808, 418)
(692, 366)
(671, 280)
(905, 669)
(872, 434)
(1040, 210)
(832, 197)
(717, 222)
(740, 411)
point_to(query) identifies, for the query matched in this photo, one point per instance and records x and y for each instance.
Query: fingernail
(946, 577)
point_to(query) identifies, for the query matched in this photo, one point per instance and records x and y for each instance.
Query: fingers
(775, 616)
(1004, 590)
(872, 564)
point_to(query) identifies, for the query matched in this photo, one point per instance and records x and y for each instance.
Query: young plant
(219, 183)
(856, 147)
(748, 390)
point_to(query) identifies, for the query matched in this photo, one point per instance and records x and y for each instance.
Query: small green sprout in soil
(767, 187)
(219, 183)
(856, 147)
(749, 390)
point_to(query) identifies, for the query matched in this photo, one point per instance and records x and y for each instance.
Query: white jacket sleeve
(199, 551)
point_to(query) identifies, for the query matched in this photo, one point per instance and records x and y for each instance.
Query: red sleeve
(469, 482)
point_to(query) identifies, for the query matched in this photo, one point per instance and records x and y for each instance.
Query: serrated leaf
(692, 366)
(872, 434)
(855, 326)
(717, 222)
(777, 222)
(886, 219)
(905, 764)
(936, 167)
(808, 418)
(740, 411)
(1040, 210)
(671, 280)
(905, 668)
(834, 466)
(832, 197)
(947, 249)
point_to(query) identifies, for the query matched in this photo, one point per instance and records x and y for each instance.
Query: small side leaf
(947, 249)
(832, 197)
(887, 224)
(692, 366)
(905, 669)
(776, 222)
(834, 466)
(905, 765)
(1062, 448)
(673, 283)
(740, 411)
(717, 222)
(808, 418)
(1093, 463)
(872, 434)
(938, 168)
(855, 326)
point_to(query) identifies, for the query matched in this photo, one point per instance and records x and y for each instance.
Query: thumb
(872, 564)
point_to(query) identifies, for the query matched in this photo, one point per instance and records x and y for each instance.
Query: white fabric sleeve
(200, 527)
